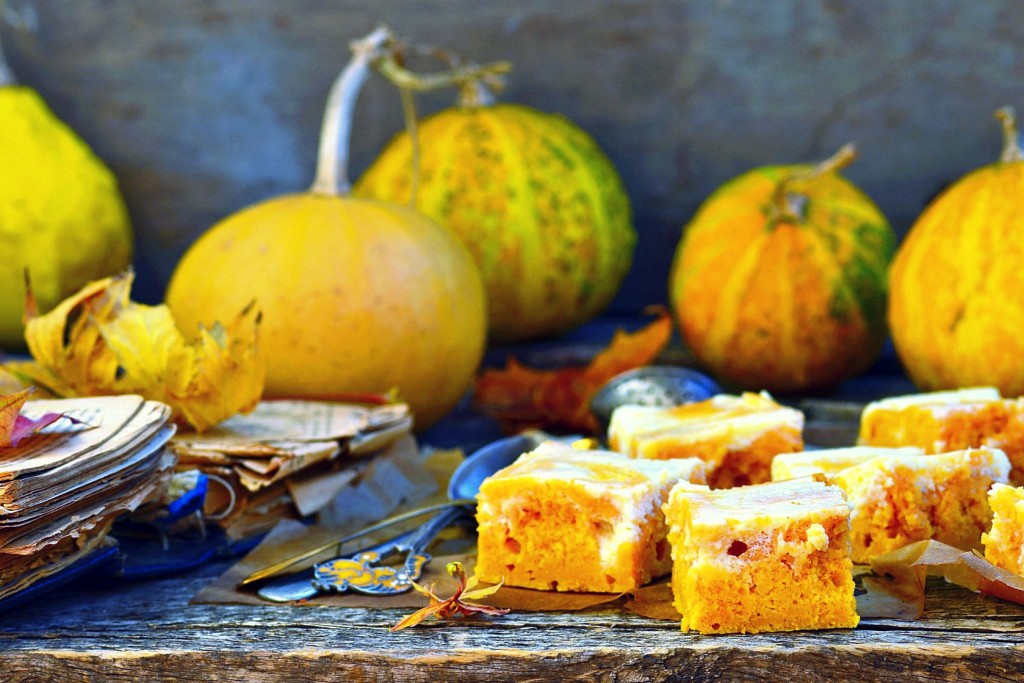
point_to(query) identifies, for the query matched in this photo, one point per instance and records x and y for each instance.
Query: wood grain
(148, 632)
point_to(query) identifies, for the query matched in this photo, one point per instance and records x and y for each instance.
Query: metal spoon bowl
(652, 385)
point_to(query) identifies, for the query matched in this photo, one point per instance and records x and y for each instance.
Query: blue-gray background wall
(204, 106)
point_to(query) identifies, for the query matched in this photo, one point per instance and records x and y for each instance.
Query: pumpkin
(357, 295)
(779, 281)
(536, 201)
(63, 221)
(956, 310)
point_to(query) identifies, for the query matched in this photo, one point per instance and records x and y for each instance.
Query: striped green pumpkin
(779, 281)
(538, 204)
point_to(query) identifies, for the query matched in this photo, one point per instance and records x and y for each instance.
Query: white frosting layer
(737, 420)
(830, 460)
(935, 399)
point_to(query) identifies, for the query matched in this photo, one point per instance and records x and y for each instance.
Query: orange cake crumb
(944, 421)
(737, 436)
(900, 500)
(1010, 439)
(1004, 542)
(771, 557)
(570, 520)
(831, 460)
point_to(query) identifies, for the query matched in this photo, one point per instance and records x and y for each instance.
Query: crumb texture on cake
(737, 436)
(944, 421)
(895, 501)
(1004, 542)
(570, 520)
(770, 557)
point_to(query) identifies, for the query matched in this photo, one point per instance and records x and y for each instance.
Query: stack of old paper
(61, 489)
(288, 459)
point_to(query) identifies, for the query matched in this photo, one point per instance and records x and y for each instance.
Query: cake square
(1010, 439)
(737, 436)
(1004, 542)
(944, 421)
(572, 520)
(900, 500)
(831, 460)
(938, 422)
(770, 557)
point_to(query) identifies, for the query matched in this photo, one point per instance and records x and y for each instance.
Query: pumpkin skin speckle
(956, 308)
(357, 296)
(540, 207)
(784, 302)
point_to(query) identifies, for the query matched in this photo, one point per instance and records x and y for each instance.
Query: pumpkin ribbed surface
(537, 203)
(784, 303)
(356, 295)
(957, 315)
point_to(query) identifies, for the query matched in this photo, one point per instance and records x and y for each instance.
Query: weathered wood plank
(148, 632)
(145, 632)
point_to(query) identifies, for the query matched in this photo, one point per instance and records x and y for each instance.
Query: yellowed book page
(273, 421)
(103, 417)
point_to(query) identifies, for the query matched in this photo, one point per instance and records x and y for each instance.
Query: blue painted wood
(204, 106)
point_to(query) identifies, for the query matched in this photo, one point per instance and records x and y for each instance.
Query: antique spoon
(652, 385)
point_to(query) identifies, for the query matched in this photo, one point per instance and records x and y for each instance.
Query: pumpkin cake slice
(771, 557)
(944, 421)
(737, 436)
(565, 519)
(900, 500)
(938, 422)
(1004, 542)
(831, 460)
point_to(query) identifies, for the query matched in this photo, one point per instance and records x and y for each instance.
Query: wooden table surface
(147, 631)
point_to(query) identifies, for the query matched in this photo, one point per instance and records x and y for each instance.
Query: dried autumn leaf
(456, 605)
(522, 397)
(13, 425)
(100, 342)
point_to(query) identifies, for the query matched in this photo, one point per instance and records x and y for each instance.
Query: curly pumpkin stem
(408, 82)
(412, 128)
(1011, 140)
(787, 206)
(459, 75)
(336, 130)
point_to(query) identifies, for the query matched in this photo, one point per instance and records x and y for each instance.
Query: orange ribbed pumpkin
(956, 309)
(779, 281)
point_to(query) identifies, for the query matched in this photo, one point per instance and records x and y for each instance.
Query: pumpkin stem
(20, 18)
(1011, 140)
(412, 129)
(475, 93)
(458, 75)
(6, 75)
(788, 206)
(336, 130)
(389, 65)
